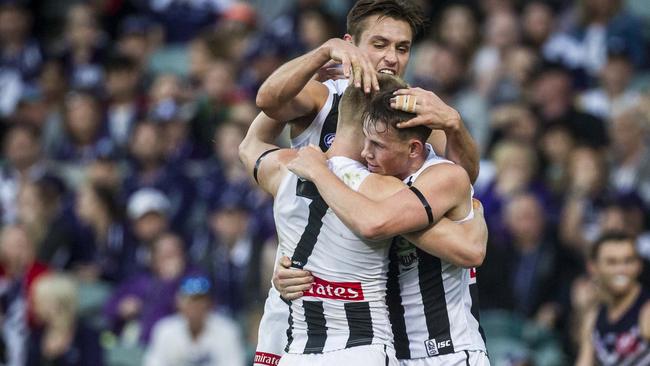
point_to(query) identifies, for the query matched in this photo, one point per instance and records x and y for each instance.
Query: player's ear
(348, 38)
(416, 148)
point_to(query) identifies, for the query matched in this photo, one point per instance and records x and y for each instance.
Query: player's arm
(265, 162)
(586, 351)
(450, 137)
(290, 92)
(445, 187)
(462, 244)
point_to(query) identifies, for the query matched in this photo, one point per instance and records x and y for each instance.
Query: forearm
(463, 245)
(462, 150)
(370, 219)
(289, 80)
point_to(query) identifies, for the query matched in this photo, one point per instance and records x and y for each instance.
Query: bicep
(307, 102)
(446, 189)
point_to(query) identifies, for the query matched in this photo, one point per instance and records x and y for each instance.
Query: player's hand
(356, 64)
(308, 162)
(291, 282)
(430, 110)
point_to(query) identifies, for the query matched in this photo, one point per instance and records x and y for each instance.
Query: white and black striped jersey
(433, 308)
(346, 305)
(322, 130)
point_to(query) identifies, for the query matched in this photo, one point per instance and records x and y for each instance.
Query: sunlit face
(617, 267)
(387, 42)
(384, 151)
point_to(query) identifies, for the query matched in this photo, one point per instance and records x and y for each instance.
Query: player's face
(387, 42)
(617, 267)
(385, 152)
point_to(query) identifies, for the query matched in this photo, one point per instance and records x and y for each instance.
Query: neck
(101, 224)
(348, 145)
(414, 165)
(618, 305)
(196, 330)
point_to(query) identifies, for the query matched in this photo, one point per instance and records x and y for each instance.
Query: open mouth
(387, 71)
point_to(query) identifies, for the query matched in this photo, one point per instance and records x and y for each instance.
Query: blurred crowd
(127, 216)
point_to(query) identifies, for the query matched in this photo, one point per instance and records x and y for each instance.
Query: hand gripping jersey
(272, 336)
(346, 305)
(620, 343)
(433, 304)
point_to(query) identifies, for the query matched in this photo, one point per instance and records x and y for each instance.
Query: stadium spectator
(19, 272)
(231, 252)
(629, 163)
(23, 162)
(84, 137)
(148, 212)
(142, 300)
(84, 48)
(43, 213)
(149, 169)
(124, 103)
(18, 50)
(525, 276)
(552, 96)
(109, 249)
(61, 338)
(196, 335)
(613, 94)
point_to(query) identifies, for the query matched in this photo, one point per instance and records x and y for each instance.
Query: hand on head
(430, 110)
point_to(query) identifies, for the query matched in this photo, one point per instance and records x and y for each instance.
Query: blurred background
(120, 122)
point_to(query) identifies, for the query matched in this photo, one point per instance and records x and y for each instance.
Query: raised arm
(266, 169)
(450, 136)
(402, 212)
(290, 93)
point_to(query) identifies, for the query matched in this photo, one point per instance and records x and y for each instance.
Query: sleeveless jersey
(346, 305)
(620, 343)
(322, 130)
(433, 304)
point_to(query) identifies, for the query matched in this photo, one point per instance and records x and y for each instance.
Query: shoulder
(337, 86)
(168, 326)
(378, 187)
(445, 172)
(223, 324)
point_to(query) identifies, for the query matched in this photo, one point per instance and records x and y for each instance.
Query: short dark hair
(119, 63)
(379, 111)
(405, 10)
(607, 237)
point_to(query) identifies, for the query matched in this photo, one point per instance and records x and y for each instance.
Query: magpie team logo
(329, 139)
(406, 254)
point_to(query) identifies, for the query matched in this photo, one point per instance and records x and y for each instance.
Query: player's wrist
(453, 122)
(323, 53)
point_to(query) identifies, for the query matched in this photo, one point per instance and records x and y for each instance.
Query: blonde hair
(57, 292)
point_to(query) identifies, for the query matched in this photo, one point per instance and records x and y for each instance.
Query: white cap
(147, 200)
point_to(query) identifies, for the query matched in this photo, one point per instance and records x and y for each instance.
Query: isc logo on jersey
(433, 348)
(406, 254)
(350, 291)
